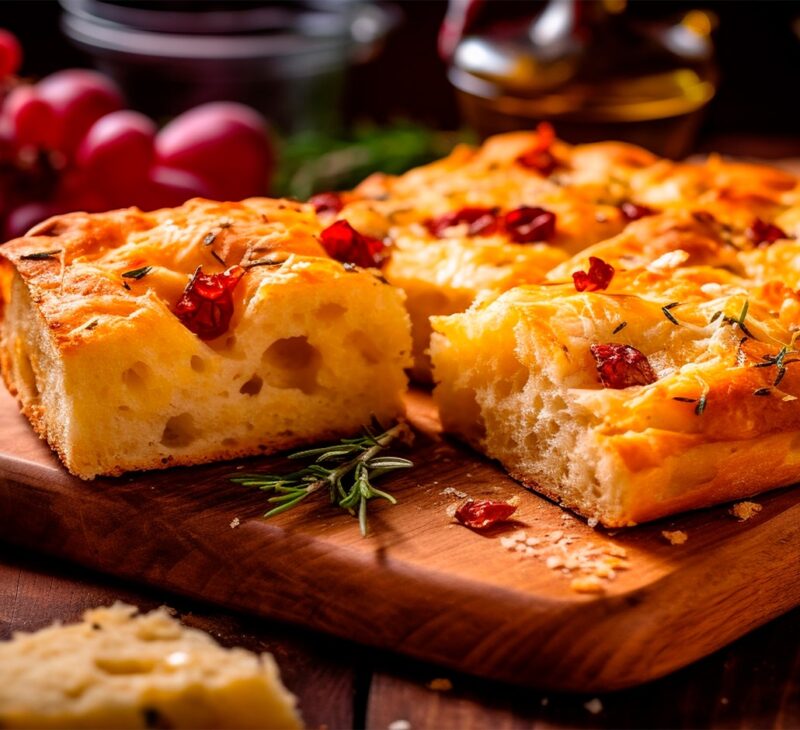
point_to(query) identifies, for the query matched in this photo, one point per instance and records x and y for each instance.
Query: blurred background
(351, 86)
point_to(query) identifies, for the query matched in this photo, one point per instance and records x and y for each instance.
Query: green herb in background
(310, 162)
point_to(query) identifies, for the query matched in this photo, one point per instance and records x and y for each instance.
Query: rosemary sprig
(347, 469)
(779, 361)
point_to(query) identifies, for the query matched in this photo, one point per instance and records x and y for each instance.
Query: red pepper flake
(539, 157)
(634, 212)
(327, 202)
(761, 233)
(526, 225)
(482, 513)
(344, 243)
(479, 221)
(621, 366)
(598, 277)
(206, 305)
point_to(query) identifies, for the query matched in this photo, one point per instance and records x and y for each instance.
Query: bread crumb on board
(588, 565)
(399, 725)
(675, 537)
(440, 684)
(743, 511)
(235, 522)
(454, 492)
(594, 706)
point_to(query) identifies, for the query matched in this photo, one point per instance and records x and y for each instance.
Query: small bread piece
(716, 417)
(115, 381)
(119, 670)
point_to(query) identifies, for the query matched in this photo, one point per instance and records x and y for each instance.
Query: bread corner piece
(115, 381)
(717, 418)
(117, 669)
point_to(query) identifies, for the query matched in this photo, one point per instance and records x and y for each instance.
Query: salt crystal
(452, 490)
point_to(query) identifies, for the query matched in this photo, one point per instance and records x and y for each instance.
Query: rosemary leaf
(665, 309)
(137, 273)
(40, 255)
(701, 406)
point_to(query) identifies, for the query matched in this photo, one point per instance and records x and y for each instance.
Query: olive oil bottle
(593, 69)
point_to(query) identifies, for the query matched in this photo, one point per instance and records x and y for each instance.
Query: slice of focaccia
(142, 340)
(119, 670)
(666, 391)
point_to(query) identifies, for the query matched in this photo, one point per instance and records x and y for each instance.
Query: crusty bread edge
(744, 468)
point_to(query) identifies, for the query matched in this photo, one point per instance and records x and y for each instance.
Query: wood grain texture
(420, 585)
(754, 682)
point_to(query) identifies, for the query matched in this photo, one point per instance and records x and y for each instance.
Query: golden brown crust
(81, 278)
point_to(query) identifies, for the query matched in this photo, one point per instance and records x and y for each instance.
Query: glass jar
(286, 59)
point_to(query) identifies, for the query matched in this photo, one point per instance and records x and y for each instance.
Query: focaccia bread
(488, 218)
(119, 670)
(143, 340)
(668, 390)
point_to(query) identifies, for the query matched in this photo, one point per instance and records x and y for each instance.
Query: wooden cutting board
(420, 584)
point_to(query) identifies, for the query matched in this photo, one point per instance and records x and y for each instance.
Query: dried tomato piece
(598, 277)
(703, 216)
(621, 366)
(481, 513)
(539, 157)
(344, 243)
(206, 305)
(634, 212)
(480, 221)
(526, 225)
(761, 233)
(327, 202)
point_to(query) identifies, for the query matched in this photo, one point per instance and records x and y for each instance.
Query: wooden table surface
(754, 683)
